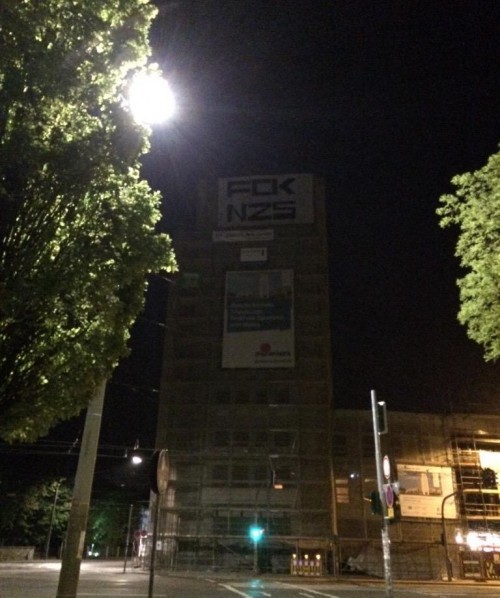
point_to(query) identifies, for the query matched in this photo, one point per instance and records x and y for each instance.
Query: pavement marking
(315, 592)
(233, 589)
(210, 580)
(304, 594)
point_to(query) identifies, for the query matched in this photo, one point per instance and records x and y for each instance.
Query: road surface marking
(232, 589)
(315, 592)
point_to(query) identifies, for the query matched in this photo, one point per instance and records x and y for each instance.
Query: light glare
(151, 100)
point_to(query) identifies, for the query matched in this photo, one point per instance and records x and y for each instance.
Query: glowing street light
(150, 98)
(136, 456)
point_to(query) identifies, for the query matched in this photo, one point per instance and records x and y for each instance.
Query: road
(105, 579)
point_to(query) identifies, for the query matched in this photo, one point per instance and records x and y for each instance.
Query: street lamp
(150, 98)
(136, 456)
(159, 95)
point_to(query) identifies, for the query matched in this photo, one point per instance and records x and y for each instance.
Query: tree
(475, 209)
(27, 513)
(108, 520)
(79, 232)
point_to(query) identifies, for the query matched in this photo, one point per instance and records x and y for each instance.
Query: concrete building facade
(245, 400)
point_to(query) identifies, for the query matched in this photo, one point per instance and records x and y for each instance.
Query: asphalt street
(105, 579)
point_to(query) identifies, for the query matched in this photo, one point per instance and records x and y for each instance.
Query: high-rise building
(246, 394)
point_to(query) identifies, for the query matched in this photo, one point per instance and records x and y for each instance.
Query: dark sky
(387, 101)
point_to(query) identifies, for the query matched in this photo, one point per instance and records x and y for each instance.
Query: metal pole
(77, 524)
(153, 548)
(447, 560)
(127, 541)
(386, 550)
(51, 523)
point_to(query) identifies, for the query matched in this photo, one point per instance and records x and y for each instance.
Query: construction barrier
(306, 566)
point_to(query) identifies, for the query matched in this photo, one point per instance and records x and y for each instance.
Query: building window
(342, 490)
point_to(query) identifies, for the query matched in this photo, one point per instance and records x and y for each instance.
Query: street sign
(389, 495)
(160, 467)
(386, 466)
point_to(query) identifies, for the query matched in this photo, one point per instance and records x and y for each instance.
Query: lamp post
(380, 427)
(144, 92)
(447, 560)
(52, 516)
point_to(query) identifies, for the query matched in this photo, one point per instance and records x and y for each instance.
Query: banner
(266, 200)
(258, 320)
(422, 489)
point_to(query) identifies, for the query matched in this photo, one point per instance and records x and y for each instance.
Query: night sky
(387, 101)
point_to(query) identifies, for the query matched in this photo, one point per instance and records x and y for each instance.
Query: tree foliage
(78, 223)
(27, 513)
(475, 209)
(108, 522)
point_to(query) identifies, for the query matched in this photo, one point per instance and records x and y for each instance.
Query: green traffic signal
(256, 532)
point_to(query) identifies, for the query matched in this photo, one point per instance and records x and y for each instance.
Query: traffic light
(383, 428)
(376, 503)
(256, 532)
(489, 478)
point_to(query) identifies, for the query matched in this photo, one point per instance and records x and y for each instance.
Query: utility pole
(77, 524)
(377, 409)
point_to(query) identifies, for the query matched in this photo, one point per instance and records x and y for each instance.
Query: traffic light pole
(386, 550)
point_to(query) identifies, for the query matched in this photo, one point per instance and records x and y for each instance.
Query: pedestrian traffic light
(256, 532)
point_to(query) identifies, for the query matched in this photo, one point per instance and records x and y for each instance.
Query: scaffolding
(248, 445)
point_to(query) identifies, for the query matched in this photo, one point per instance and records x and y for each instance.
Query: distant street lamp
(136, 456)
(158, 96)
